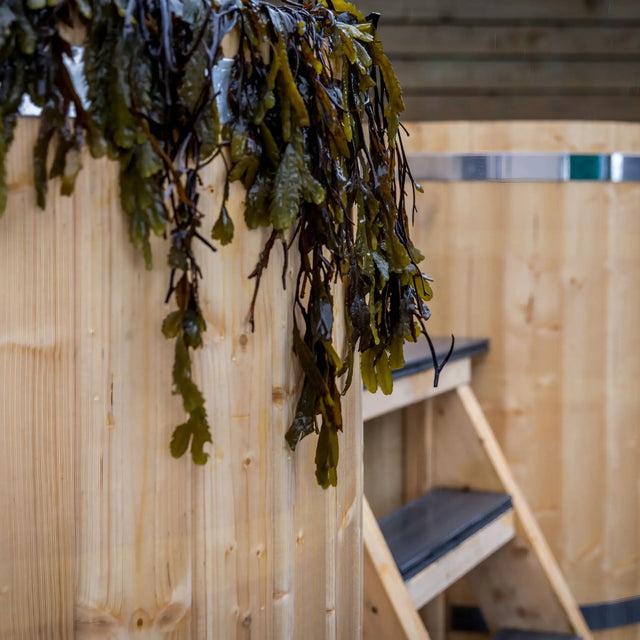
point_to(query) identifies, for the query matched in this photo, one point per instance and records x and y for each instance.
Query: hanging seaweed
(309, 127)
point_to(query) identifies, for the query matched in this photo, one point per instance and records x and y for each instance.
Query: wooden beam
(389, 612)
(405, 40)
(415, 388)
(514, 10)
(517, 76)
(420, 107)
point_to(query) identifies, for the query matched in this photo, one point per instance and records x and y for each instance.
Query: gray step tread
(418, 356)
(424, 530)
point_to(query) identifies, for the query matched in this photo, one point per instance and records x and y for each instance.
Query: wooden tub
(103, 534)
(550, 272)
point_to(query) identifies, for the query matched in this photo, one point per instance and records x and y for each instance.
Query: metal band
(524, 167)
(599, 616)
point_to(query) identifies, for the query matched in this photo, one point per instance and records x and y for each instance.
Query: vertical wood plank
(383, 463)
(286, 373)
(349, 509)
(134, 528)
(621, 547)
(37, 409)
(585, 251)
(417, 423)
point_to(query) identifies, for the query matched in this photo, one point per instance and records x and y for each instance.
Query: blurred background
(516, 59)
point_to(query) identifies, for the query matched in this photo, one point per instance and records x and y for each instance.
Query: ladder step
(445, 533)
(415, 381)
(417, 356)
(420, 532)
(520, 634)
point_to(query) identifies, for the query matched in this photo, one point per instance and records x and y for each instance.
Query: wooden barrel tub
(103, 534)
(550, 272)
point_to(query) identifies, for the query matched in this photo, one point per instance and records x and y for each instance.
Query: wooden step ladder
(466, 516)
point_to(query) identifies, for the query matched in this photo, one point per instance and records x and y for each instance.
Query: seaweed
(310, 130)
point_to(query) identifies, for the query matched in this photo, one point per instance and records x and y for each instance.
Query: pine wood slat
(37, 409)
(414, 388)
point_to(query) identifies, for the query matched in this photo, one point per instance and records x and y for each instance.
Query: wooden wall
(550, 272)
(521, 59)
(103, 534)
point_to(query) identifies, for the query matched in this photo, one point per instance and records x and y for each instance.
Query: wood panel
(37, 535)
(550, 273)
(590, 11)
(384, 463)
(621, 549)
(108, 535)
(515, 41)
(516, 77)
(521, 107)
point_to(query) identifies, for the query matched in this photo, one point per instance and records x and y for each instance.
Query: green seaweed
(312, 134)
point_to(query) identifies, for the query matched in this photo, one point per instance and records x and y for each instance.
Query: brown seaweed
(311, 131)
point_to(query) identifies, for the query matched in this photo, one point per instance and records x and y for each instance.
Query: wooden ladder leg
(389, 612)
(521, 585)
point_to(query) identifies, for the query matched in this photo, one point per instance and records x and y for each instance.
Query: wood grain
(108, 535)
(37, 409)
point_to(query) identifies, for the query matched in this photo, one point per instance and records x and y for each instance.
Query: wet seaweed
(310, 129)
